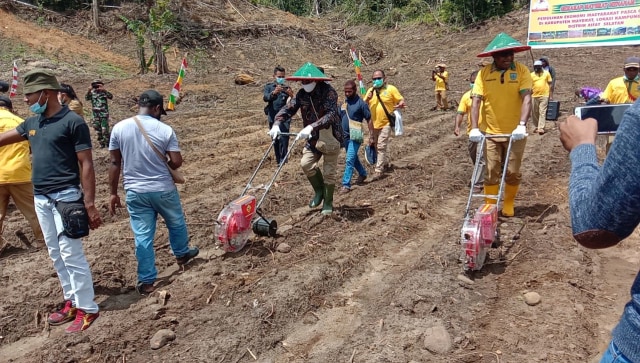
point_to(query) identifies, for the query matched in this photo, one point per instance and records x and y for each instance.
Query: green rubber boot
(327, 207)
(317, 182)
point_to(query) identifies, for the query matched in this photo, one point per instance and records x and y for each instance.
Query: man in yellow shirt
(15, 173)
(382, 99)
(441, 77)
(541, 93)
(464, 108)
(625, 89)
(504, 89)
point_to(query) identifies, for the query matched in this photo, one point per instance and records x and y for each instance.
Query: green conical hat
(308, 72)
(501, 43)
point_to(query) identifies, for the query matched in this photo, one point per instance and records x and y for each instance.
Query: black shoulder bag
(390, 116)
(75, 219)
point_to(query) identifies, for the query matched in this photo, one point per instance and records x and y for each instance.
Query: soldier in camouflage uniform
(98, 96)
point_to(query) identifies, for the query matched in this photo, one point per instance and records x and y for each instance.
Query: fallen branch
(352, 355)
(215, 287)
(253, 355)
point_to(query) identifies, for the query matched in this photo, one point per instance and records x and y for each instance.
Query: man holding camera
(98, 96)
(441, 77)
(276, 94)
(60, 144)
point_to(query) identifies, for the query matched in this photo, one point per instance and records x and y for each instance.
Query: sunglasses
(376, 78)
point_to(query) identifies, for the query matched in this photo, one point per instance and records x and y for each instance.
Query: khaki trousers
(22, 195)
(441, 99)
(330, 149)
(497, 153)
(383, 136)
(539, 112)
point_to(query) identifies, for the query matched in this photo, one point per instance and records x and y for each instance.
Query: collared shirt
(274, 102)
(390, 96)
(54, 143)
(620, 90)
(501, 92)
(14, 158)
(441, 84)
(541, 84)
(464, 108)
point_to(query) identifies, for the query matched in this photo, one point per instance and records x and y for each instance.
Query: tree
(139, 30)
(162, 23)
(95, 11)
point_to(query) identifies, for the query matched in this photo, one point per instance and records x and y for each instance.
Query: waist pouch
(75, 219)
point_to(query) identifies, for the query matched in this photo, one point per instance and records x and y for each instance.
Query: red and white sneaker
(82, 322)
(66, 314)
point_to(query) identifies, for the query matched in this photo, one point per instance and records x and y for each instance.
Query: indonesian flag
(175, 92)
(14, 82)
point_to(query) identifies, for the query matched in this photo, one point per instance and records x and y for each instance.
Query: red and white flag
(14, 82)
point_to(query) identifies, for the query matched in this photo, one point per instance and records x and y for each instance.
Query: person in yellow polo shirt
(541, 93)
(15, 173)
(625, 89)
(504, 89)
(464, 108)
(441, 77)
(382, 99)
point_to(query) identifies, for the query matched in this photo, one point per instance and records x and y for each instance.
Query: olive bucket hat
(38, 80)
(308, 72)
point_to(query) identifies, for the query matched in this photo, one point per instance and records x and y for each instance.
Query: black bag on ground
(75, 219)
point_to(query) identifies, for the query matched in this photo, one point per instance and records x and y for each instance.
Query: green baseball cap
(501, 43)
(38, 80)
(309, 72)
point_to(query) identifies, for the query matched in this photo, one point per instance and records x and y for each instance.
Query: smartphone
(609, 117)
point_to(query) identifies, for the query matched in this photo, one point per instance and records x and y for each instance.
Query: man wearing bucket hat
(441, 77)
(60, 143)
(540, 93)
(15, 174)
(98, 96)
(504, 90)
(624, 89)
(383, 99)
(318, 105)
(149, 187)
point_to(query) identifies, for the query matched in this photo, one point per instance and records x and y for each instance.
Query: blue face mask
(377, 83)
(37, 108)
(636, 79)
(280, 80)
(471, 85)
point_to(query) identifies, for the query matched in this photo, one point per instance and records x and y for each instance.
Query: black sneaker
(193, 252)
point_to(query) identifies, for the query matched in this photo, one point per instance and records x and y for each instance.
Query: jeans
(353, 161)
(281, 145)
(613, 355)
(66, 253)
(143, 213)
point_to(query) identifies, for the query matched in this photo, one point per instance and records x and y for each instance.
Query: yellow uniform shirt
(541, 84)
(441, 84)
(464, 108)
(390, 96)
(15, 164)
(620, 90)
(501, 95)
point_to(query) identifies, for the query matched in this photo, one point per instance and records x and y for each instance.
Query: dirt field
(376, 282)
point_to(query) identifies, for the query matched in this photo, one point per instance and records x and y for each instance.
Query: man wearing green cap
(60, 143)
(318, 105)
(504, 90)
(99, 97)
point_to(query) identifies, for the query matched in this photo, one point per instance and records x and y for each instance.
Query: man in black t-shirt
(60, 144)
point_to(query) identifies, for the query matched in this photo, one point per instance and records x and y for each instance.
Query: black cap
(151, 98)
(6, 103)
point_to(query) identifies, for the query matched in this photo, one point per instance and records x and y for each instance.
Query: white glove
(475, 135)
(274, 132)
(305, 133)
(519, 133)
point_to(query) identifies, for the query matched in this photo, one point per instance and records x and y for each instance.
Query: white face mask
(309, 87)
